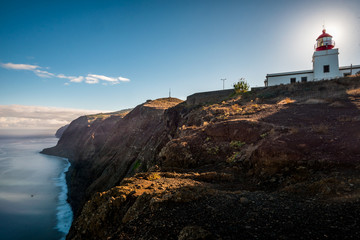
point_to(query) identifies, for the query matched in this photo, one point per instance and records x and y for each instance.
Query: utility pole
(169, 92)
(223, 79)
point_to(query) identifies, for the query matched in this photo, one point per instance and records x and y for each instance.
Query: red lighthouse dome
(324, 42)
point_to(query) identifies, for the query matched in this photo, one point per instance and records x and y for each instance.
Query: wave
(64, 214)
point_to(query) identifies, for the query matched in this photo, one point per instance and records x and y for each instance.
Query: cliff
(60, 131)
(104, 148)
(279, 163)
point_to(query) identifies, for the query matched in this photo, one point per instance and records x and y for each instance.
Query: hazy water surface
(32, 190)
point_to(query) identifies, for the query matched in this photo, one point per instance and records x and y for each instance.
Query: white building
(325, 65)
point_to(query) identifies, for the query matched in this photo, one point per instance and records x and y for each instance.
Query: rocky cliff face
(60, 131)
(283, 162)
(105, 148)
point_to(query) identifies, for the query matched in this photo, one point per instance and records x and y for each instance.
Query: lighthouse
(325, 65)
(326, 58)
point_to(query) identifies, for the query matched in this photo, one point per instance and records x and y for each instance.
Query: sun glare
(338, 31)
(305, 28)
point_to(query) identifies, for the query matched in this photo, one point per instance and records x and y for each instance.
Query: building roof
(308, 71)
(289, 73)
(349, 67)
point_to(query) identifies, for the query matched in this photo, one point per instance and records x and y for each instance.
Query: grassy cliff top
(163, 103)
(103, 116)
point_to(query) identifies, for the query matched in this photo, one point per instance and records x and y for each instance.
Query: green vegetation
(234, 158)
(264, 135)
(136, 165)
(237, 144)
(241, 86)
(213, 150)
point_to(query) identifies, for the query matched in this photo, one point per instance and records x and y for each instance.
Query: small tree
(241, 86)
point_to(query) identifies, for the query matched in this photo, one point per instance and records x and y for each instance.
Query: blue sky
(111, 55)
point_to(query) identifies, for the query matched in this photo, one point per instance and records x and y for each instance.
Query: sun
(338, 32)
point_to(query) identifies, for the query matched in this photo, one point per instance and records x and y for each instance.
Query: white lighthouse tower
(325, 58)
(325, 65)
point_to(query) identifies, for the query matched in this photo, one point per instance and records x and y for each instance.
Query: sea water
(33, 190)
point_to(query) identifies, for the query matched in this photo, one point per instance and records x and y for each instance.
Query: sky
(111, 55)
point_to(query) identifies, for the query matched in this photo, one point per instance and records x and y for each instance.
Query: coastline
(29, 188)
(64, 214)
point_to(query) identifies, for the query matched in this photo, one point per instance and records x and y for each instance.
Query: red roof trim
(324, 34)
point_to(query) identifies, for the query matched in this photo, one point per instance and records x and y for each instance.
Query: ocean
(33, 190)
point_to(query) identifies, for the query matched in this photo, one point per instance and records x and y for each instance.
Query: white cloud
(123, 79)
(32, 123)
(28, 67)
(37, 117)
(90, 78)
(71, 78)
(102, 77)
(77, 79)
(108, 79)
(43, 74)
(19, 66)
(62, 76)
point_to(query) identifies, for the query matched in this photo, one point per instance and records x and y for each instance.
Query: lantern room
(324, 42)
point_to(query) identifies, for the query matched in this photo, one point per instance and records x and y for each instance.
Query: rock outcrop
(60, 131)
(280, 163)
(190, 206)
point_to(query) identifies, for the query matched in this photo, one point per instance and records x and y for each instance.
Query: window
(303, 79)
(326, 68)
(327, 41)
(292, 80)
(320, 42)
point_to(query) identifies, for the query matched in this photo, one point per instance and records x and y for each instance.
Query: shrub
(241, 86)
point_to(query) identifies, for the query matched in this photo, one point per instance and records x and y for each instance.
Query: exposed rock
(61, 130)
(179, 207)
(244, 200)
(194, 233)
(255, 166)
(104, 148)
